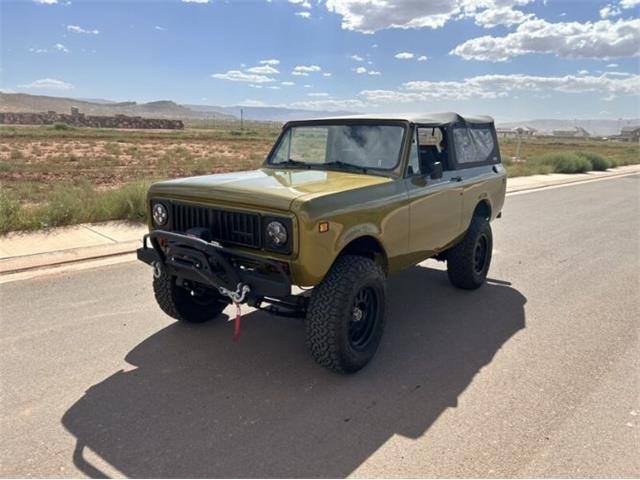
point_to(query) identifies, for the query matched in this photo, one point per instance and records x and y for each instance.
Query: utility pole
(241, 120)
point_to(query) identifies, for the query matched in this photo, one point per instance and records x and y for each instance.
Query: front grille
(226, 226)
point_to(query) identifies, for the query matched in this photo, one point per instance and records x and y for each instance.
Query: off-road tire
(462, 265)
(178, 303)
(329, 328)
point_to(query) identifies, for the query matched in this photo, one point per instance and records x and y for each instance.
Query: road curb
(25, 263)
(571, 181)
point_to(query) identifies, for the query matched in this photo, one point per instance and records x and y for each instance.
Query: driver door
(435, 204)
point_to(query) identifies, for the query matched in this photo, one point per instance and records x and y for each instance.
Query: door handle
(455, 179)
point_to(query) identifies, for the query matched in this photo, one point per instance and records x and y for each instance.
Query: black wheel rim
(480, 254)
(363, 318)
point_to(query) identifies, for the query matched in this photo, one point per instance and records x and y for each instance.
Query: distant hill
(595, 127)
(21, 102)
(271, 114)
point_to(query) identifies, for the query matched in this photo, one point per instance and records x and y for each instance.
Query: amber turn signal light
(323, 227)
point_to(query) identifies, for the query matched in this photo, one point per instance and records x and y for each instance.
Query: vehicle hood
(265, 187)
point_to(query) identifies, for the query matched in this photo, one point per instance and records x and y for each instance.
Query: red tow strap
(236, 323)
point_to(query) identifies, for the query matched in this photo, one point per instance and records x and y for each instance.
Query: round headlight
(277, 233)
(159, 214)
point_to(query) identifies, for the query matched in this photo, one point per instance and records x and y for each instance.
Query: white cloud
(287, 84)
(357, 58)
(583, 72)
(374, 72)
(500, 86)
(303, 14)
(629, 3)
(299, 74)
(48, 83)
(270, 61)
(263, 70)
(238, 76)
(613, 65)
(61, 48)
(252, 85)
(326, 74)
(602, 39)
(360, 70)
(369, 16)
(301, 3)
(38, 50)
(328, 104)
(274, 87)
(195, 1)
(46, 2)
(404, 55)
(158, 27)
(492, 17)
(423, 58)
(308, 86)
(318, 94)
(79, 29)
(609, 11)
(304, 70)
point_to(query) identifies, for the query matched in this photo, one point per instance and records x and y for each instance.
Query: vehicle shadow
(198, 405)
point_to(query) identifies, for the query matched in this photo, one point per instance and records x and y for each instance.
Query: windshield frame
(405, 125)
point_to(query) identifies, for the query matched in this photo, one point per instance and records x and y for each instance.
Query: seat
(428, 155)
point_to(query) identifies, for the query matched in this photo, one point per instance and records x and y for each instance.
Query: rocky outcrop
(77, 119)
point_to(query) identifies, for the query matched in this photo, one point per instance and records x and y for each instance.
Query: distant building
(630, 134)
(575, 132)
(516, 132)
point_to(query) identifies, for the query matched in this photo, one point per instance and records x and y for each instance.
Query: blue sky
(514, 59)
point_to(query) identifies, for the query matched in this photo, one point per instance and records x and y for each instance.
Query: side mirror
(436, 170)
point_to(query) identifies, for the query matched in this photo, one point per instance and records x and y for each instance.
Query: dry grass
(51, 176)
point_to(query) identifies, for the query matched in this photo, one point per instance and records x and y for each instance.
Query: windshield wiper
(293, 163)
(346, 165)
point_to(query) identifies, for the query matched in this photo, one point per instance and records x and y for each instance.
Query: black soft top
(438, 119)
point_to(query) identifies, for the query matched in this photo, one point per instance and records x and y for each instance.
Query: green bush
(73, 204)
(9, 213)
(598, 162)
(566, 162)
(62, 126)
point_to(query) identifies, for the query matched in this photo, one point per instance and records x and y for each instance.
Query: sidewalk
(58, 246)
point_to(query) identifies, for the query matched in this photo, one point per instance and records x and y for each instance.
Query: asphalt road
(535, 374)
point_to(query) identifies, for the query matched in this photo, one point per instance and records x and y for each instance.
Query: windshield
(360, 147)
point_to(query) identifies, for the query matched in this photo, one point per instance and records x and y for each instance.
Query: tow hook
(239, 295)
(236, 297)
(157, 269)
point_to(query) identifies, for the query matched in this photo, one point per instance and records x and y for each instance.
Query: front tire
(177, 302)
(468, 262)
(346, 315)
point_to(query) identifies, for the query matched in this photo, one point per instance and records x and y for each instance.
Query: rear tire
(177, 302)
(468, 262)
(346, 314)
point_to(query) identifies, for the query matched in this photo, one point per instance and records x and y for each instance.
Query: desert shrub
(566, 162)
(9, 213)
(126, 203)
(62, 126)
(598, 162)
(16, 155)
(72, 204)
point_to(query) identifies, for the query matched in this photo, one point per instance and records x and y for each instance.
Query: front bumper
(194, 259)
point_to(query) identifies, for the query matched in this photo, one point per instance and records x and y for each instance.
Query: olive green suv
(338, 205)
